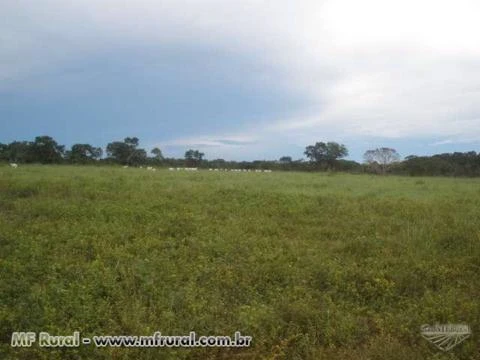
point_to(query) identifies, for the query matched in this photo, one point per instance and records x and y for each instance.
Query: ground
(311, 265)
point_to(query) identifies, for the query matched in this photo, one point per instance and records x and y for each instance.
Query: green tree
(126, 152)
(46, 150)
(84, 153)
(132, 142)
(138, 157)
(285, 159)
(19, 151)
(157, 153)
(193, 157)
(326, 154)
(4, 152)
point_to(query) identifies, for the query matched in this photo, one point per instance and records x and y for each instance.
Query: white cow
(13, 165)
(171, 169)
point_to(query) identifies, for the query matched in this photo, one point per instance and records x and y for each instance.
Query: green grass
(312, 266)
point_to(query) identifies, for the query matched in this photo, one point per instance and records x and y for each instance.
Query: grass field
(311, 265)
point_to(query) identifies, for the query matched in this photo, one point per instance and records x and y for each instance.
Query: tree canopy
(193, 157)
(127, 152)
(383, 156)
(326, 154)
(83, 153)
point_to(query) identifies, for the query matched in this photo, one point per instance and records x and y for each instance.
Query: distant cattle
(13, 165)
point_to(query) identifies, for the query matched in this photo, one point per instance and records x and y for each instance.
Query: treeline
(448, 164)
(320, 157)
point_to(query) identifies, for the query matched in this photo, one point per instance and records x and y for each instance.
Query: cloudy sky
(249, 79)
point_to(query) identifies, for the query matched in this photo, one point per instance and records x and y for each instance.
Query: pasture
(311, 265)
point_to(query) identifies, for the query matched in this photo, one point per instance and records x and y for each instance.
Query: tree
(46, 150)
(83, 153)
(132, 141)
(157, 153)
(193, 157)
(382, 156)
(19, 151)
(4, 153)
(326, 154)
(119, 152)
(218, 163)
(138, 157)
(285, 159)
(126, 152)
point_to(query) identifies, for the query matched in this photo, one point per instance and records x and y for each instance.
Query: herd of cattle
(150, 168)
(231, 170)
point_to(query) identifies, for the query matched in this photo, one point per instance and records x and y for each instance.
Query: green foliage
(326, 154)
(83, 154)
(311, 266)
(46, 150)
(454, 164)
(158, 154)
(127, 152)
(285, 159)
(193, 157)
(43, 150)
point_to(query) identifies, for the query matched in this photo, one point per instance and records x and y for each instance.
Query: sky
(243, 80)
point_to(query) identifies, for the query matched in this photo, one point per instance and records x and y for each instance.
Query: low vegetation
(311, 265)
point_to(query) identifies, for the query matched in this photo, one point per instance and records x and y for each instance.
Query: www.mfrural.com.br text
(45, 339)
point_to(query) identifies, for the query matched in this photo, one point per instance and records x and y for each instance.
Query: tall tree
(132, 141)
(4, 152)
(46, 150)
(285, 159)
(382, 156)
(326, 154)
(83, 153)
(157, 153)
(126, 152)
(193, 157)
(20, 151)
(138, 157)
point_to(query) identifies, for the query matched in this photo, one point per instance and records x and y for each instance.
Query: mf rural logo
(446, 337)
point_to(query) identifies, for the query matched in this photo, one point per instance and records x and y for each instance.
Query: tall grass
(311, 266)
